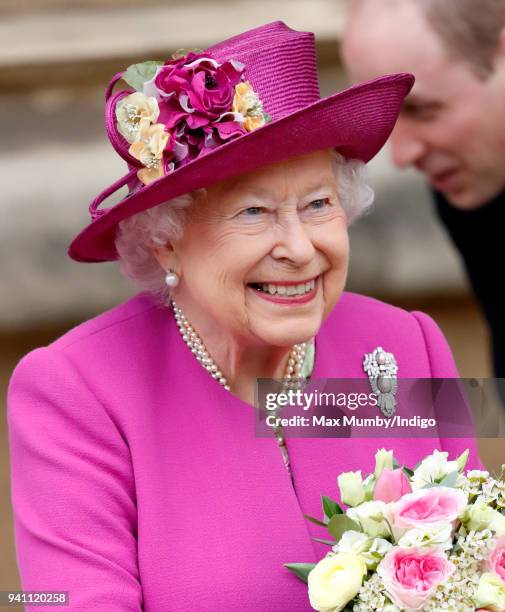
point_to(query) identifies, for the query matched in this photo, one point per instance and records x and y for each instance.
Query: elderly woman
(137, 479)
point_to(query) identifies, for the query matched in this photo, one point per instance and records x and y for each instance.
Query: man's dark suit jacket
(479, 236)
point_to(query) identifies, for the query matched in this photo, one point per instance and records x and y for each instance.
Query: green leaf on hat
(137, 74)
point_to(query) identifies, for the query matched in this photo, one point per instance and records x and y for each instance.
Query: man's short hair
(470, 29)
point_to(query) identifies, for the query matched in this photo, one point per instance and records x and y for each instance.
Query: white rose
(383, 459)
(433, 535)
(370, 515)
(435, 467)
(351, 488)
(353, 541)
(371, 550)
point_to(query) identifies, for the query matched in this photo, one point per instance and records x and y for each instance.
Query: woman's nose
(294, 242)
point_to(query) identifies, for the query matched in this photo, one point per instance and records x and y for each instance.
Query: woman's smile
(289, 293)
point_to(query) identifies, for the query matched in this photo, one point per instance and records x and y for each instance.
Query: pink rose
(411, 575)
(391, 486)
(426, 507)
(496, 561)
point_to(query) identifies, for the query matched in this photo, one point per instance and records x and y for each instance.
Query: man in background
(452, 126)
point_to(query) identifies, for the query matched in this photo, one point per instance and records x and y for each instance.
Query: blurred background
(55, 59)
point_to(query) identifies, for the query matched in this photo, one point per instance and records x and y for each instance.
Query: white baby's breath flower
(480, 475)
(373, 597)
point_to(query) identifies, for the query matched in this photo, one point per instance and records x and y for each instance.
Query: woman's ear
(164, 254)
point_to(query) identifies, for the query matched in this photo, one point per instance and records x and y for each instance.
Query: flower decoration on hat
(183, 108)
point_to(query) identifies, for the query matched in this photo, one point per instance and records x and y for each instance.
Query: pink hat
(247, 102)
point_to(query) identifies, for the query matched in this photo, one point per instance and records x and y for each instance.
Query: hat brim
(356, 121)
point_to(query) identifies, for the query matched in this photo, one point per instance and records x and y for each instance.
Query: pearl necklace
(197, 347)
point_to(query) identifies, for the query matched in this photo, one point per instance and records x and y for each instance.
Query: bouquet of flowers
(430, 538)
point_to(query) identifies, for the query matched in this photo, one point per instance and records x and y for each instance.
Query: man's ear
(501, 43)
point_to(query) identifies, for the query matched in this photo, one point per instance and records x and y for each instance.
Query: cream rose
(491, 593)
(351, 488)
(480, 516)
(133, 111)
(383, 459)
(335, 580)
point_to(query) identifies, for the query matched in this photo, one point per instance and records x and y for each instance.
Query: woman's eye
(252, 211)
(319, 204)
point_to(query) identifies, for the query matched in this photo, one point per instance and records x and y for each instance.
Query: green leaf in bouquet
(461, 461)
(330, 507)
(417, 465)
(408, 471)
(301, 570)
(369, 486)
(448, 481)
(314, 520)
(137, 74)
(340, 523)
(395, 463)
(328, 542)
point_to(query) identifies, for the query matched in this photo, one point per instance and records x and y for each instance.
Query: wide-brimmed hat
(204, 116)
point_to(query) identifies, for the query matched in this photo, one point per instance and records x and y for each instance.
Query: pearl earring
(171, 279)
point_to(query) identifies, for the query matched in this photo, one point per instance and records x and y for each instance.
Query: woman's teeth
(286, 290)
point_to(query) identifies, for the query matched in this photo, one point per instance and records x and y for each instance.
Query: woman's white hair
(165, 222)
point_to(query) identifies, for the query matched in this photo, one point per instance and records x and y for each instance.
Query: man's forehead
(383, 26)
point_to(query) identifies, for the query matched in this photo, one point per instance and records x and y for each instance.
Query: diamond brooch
(381, 368)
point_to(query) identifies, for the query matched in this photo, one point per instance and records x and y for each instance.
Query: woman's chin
(287, 335)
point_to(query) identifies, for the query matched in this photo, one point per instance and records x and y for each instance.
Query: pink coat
(138, 482)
